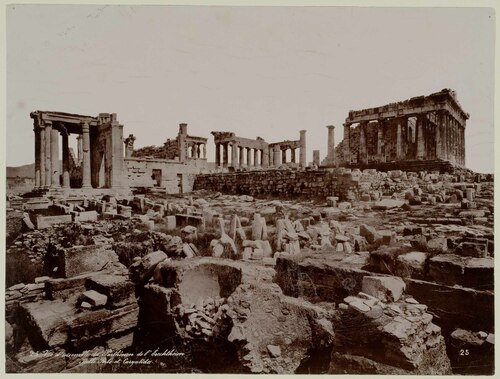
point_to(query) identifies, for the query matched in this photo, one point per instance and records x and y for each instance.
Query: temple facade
(422, 128)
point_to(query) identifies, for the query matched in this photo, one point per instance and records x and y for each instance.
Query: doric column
(65, 147)
(270, 152)
(43, 160)
(204, 151)
(283, 156)
(463, 145)
(225, 153)
(363, 155)
(399, 140)
(234, 155)
(292, 155)
(36, 129)
(330, 154)
(420, 136)
(345, 144)
(256, 162)
(86, 155)
(302, 151)
(437, 132)
(217, 154)
(48, 154)
(380, 137)
(265, 157)
(276, 155)
(54, 150)
(241, 154)
(249, 157)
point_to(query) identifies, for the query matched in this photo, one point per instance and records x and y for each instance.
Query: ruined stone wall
(281, 183)
(174, 174)
(157, 152)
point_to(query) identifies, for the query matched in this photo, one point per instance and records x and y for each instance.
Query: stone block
(94, 298)
(119, 289)
(370, 233)
(472, 249)
(140, 271)
(43, 222)
(170, 222)
(384, 288)
(446, 269)
(86, 216)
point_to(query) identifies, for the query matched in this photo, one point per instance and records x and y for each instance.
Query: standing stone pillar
(302, 151)
(256, 162)
(182, 141)
(276, 154)
(283, 156)
(234, 155)
(249, 157)
(379, 140)
(204, 151)
(399, 141)
(36, 129)
(437, 136)
(48, 154)
(345, 144)
(420, 137)
(43, 160)
(79, 151)
(65, 147)
(316, 158)
(292, 155)
(217, 154)
(330, 154)
(241, 155)
(86, 170)
(265, 157)
(225, 153)
(270, 152)
(363, 155)
(54, 151)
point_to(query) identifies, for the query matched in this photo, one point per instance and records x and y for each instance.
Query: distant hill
(26, 171)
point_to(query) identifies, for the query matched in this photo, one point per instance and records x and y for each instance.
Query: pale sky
(256, 71)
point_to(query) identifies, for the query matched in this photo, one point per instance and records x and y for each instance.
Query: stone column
(270, 152)
(241, 156)
(256, 162)
(438, 136)
(36, 129)
(316, 159)
(86, 170)
(265, 157)
(234, 155)
(181, 137)
(330, 154)
(225, 153)
(204, 151)
(345, 144)
(217, 154)
(283, 156)
(399, 140)
(463, 146)
(79, 147)
(379, 140)
(292, 155)
(249, 157)
(65, 147)
(43, 160)
(48, 154)
(302, 151)
(54, 151)
(363, 155)
(420, 137)
(276, 155)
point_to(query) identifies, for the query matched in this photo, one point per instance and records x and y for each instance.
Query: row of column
(196, 150)
(444, 140)
(238, 155)
(47, 156)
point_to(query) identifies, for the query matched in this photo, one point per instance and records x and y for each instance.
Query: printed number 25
(464, 352)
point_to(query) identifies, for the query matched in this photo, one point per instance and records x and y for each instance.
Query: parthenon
(421, 128)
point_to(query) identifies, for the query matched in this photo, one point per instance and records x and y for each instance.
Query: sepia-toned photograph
(249, 189)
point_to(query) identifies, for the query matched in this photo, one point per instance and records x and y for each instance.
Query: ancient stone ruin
(145, 260)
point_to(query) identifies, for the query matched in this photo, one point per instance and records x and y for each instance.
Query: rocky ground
(398, 280)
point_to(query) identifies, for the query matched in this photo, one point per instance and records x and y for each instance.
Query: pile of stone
(23, 293)
(201, 320)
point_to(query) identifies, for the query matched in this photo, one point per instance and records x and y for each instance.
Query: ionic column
(302, 151)
(276, 154)
(217, 154)
(36, 129)
(234, 155)
(265, 157)
(345, 144)
(399, 141)
(48, 154)
(54, 150)
(362, 143)
(43, 160)
(283, 156)
(86, 170)
(256, 162)
(65, 147)
(420, 137)
(249, 157)
(225, 153)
